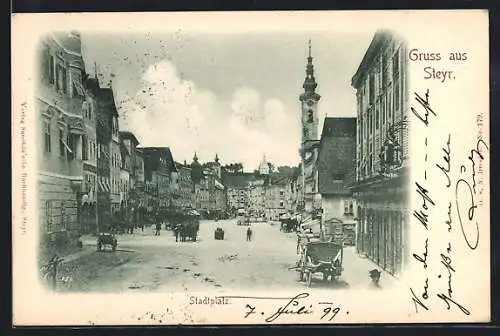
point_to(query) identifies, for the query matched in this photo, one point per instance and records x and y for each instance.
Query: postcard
(251, 168)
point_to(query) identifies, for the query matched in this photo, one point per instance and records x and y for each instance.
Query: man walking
(249, 234)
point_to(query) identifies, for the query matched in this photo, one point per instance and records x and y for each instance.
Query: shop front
(382, 221)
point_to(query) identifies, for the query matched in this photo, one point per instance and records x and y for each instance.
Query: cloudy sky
(235, 95)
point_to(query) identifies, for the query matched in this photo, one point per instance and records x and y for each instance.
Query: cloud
(170, 111)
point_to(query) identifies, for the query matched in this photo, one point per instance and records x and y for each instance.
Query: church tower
(310, 143)
(309, 103)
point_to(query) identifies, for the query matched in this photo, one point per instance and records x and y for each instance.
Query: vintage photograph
(184, 161)
(202, 169)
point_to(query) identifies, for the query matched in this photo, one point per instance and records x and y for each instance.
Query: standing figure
(249, 234)
(157, 229)
(177, 232)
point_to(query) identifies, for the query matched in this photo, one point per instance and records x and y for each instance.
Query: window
(348, 207)
(282, 204)
(371, 89)
(395, 64)
(62, 145)
(85, 148)
(370, 121)
(86, 110)
(384, 72)
(338, 177)
(46, 136)
(396, 94)
(62, 78)
(310, 116)
(48, 216)
(377, 116)
(282, 193)
(48, 65)
(70, 146)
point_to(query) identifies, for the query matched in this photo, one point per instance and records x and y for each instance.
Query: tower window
(310, 116)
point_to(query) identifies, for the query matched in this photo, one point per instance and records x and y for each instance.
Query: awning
(67, 147)
(219, 185)
(103, 185)
(310, 224)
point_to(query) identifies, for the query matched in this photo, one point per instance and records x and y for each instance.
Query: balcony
(50, 95)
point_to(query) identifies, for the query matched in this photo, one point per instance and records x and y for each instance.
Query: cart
(320, 257)
(219, 234)
(106, 239)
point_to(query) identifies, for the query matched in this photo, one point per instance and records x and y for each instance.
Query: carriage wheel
(309, 279)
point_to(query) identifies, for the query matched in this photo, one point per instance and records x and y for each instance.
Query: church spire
(310, 84)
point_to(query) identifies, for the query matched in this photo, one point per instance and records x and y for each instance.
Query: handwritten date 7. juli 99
(295, 306)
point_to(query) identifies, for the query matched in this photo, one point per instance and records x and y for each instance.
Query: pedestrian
(177, 232)
(375, 278)
(158, 229)
(249, 234)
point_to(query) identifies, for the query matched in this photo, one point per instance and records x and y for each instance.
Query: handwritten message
(460, 193)
(431, 69)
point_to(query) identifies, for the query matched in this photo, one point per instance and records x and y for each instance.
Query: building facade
(135, 170)
(89, 156)
(236, 185)
(382, 152)
(115, 156)
(59, 101)
(336, 168)
(276, 197)
(103, 136)
(309, 100)
(184, 197)
(256, 196)
(124, 182)
(158, 168)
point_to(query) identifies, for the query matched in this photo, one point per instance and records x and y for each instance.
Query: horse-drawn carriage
(188, 225)
(320, 257)
(288, 223)
(242, 218)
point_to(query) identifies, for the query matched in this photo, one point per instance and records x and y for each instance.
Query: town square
(179, 162)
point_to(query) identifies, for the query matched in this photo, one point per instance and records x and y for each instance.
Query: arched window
(310, 116)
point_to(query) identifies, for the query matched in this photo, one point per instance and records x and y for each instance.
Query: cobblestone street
(144, 262)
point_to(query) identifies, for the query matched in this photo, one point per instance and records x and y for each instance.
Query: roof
(106, 96)
(147, 151)
(129, 135)
(378, 40)
(339, 127)
(279, 179)
(337, 156)
(239, 180)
